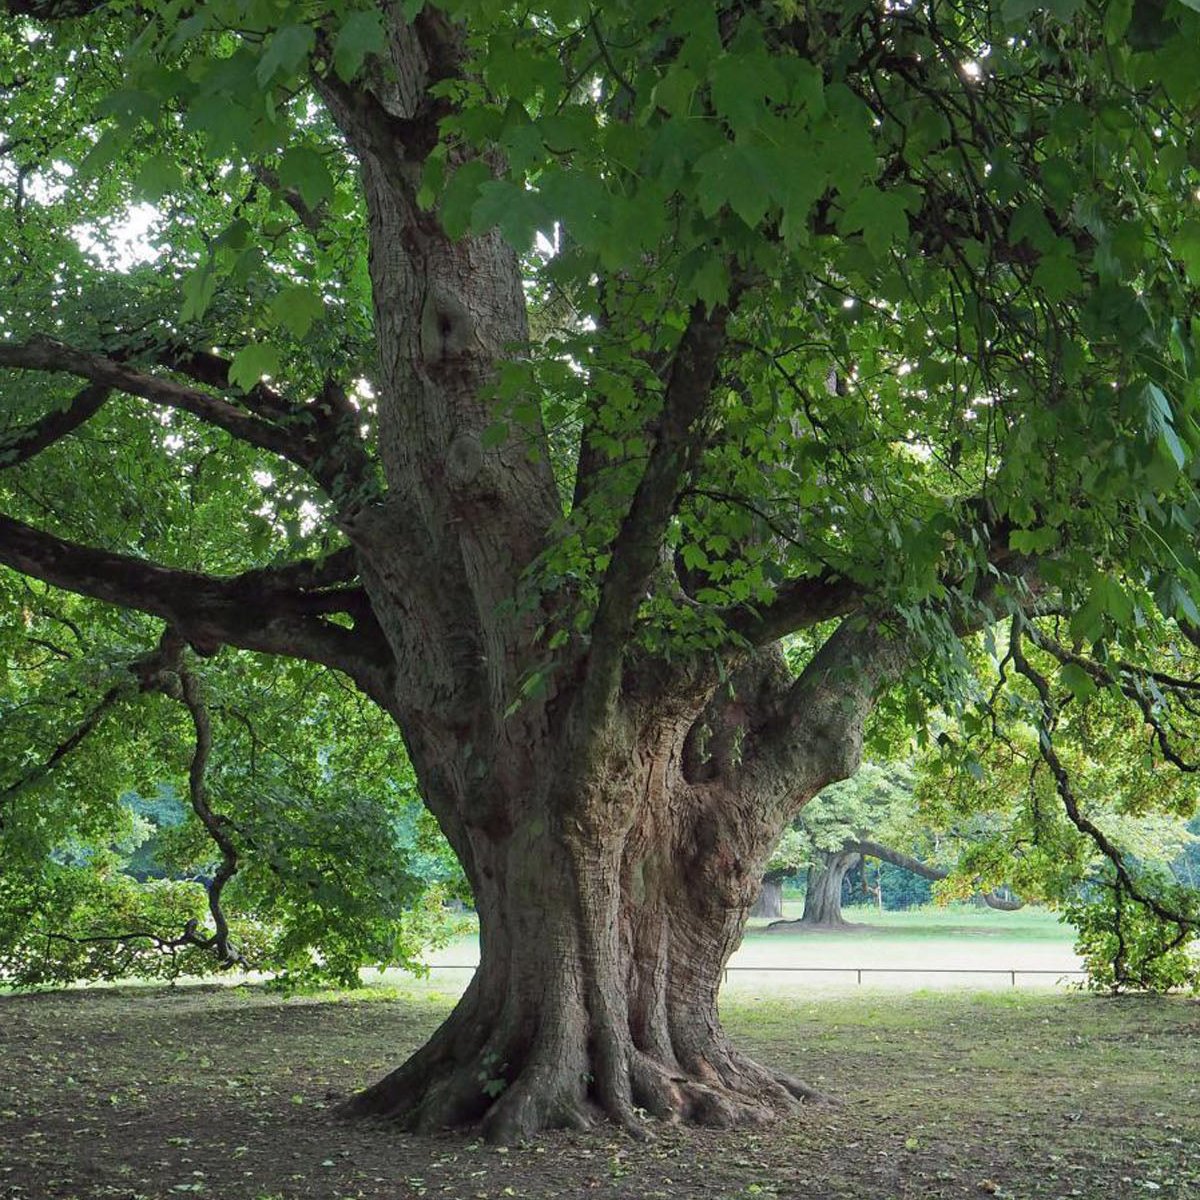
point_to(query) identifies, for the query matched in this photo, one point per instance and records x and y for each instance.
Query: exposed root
(743, 1094)
(512, 1082)
(801, 1090)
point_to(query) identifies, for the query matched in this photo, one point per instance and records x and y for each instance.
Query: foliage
(93, 922)
(341, 866)
(1127, 947)
(876, 802)
(955, 254)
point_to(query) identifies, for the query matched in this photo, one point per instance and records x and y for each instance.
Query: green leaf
(460, 195)
(511, 207)
(738, 176)
(296, 308)
(362, 34)
(285, 54)
(198, 289)
(1186, 245)
(157, 176)
(251, 363)
(1033, 541)
(494, 435)
(302, 168)
(741, 85)
(880, 216)
(1077, 680)
(1057, 274)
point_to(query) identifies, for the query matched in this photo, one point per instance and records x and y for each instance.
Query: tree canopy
(536, 372)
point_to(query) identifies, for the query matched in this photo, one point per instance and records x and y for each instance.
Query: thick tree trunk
(613, 858)
(823, 894)
(770, 900)
(596, 993)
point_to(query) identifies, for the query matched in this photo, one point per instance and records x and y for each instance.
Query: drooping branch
(172, 678)
(906, 862)
(279, 611)
(1130, 681)
(1185, 923)
(66, 747)
(20, 445)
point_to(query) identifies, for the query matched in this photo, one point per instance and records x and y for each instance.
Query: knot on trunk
(447, 329)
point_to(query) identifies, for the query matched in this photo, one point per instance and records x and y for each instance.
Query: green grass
(1030, 923)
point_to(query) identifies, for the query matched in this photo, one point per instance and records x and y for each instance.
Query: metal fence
(859, 972)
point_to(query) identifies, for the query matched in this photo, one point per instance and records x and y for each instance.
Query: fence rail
(859, 972)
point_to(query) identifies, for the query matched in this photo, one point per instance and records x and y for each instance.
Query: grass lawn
(226, 1093)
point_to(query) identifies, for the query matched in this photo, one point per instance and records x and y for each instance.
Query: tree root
(494, 1079)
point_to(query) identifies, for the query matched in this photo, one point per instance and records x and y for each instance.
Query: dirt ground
(226, 1093)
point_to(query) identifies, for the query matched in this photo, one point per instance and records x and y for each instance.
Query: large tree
(867, 320)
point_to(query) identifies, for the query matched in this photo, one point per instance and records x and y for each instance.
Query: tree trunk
(770, 900)
(613, 857)
(602, 951)
(823, 894)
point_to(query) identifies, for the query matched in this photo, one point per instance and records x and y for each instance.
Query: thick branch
(325, 433)
(45, 354)
(262, 610)
(20, 445)
(798, 604)
(635, 551)
(906, 862)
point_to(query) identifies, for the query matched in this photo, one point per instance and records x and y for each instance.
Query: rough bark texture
(613, 862)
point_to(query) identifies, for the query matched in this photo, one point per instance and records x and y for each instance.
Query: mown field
(227, 1093)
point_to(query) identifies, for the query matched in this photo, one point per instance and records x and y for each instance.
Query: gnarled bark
(604, 931)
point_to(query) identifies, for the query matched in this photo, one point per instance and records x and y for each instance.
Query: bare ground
(227, 1093)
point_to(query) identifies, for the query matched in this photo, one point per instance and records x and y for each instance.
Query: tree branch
(906, 862)
(70, 743)
(173, 679)
(797, 604)
(20, 445)
(45, 354)
(325, 433)
(1062, 782)
(635, 550)
(276, 611)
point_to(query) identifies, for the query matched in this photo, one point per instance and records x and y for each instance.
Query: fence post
(860, 976)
